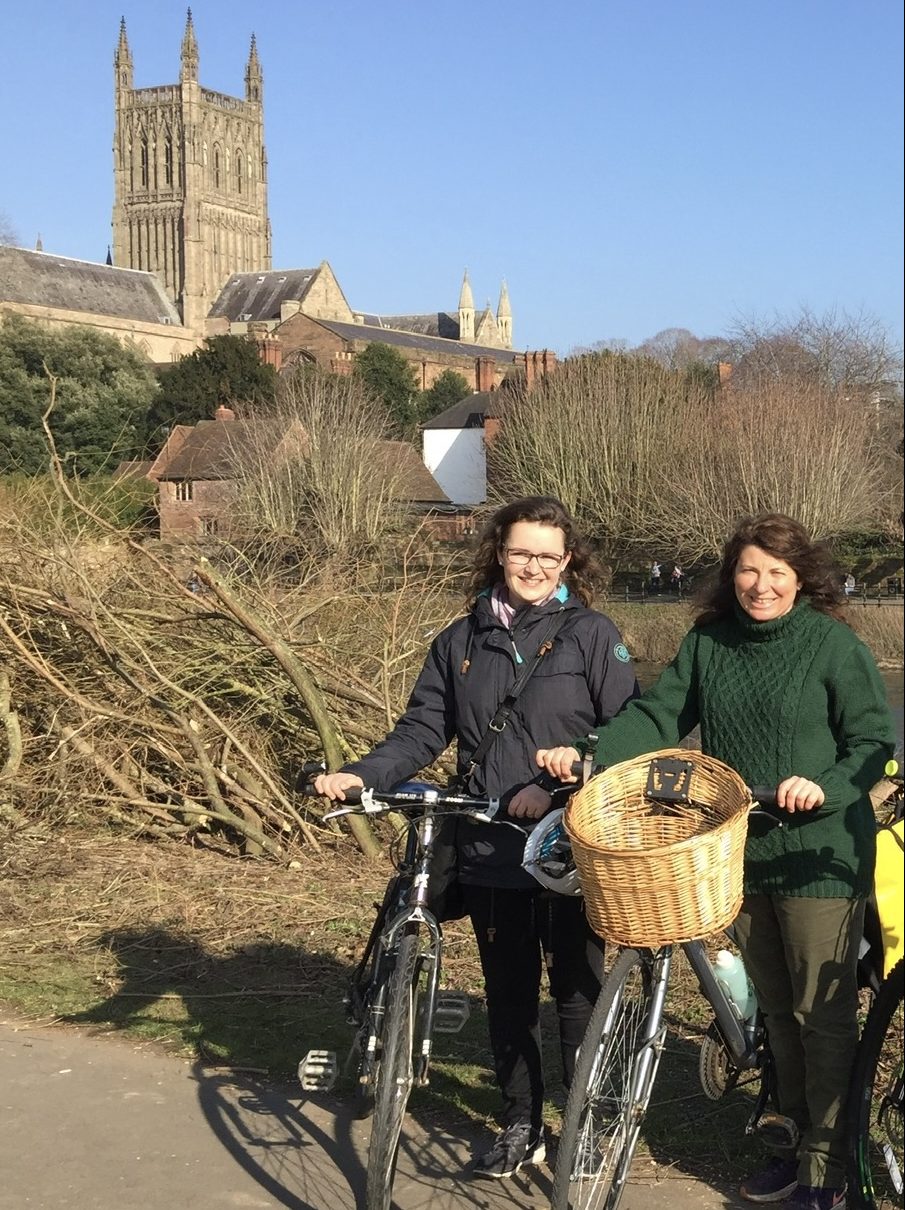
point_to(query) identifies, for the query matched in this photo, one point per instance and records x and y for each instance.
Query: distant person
(655, 577)
(675, 580)
(849, 584)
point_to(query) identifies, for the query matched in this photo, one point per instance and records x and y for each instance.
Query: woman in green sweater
(785, 693)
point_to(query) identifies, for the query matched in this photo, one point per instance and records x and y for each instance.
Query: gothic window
(130, 157)
(168, 161)
(144, 164)
(216, 167)
(240, 173)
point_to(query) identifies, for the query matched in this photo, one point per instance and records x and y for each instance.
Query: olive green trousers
(801, 955)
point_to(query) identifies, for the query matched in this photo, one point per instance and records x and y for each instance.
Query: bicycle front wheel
(395, 1074)
(875, 1108)
(610, 1090)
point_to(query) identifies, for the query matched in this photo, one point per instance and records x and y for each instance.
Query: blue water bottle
(733, 979)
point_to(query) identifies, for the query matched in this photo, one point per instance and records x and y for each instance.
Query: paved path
(104, 1123)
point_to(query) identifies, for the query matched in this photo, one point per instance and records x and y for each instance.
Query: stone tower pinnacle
(504, 317)
(189, 54)
(122, 60)
(466, 310)
(254, 77)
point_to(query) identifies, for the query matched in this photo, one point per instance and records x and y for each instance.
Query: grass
(244, 964)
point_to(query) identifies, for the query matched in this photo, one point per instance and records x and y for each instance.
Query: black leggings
(513, 928)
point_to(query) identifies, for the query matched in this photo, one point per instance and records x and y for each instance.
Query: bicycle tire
(606, 1103)
(396, 1072)
(875, 1126)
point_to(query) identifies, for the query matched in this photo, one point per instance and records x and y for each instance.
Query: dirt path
(103, 1123)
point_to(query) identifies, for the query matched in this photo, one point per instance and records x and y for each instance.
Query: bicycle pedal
(777, 1131)
(318, 1071)
(452, 1011)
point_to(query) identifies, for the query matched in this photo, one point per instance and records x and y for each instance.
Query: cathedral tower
(190, 179)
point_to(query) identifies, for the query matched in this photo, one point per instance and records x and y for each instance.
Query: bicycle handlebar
(362, 801)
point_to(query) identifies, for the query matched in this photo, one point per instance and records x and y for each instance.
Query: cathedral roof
(439, 323)
(413, 340)
(256, 296)
(40, 279)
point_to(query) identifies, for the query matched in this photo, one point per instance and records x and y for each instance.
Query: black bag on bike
(446, 899)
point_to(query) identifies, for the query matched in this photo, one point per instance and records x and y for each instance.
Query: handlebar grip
(764, 796)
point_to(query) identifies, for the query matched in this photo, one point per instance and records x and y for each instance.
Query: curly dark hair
(785, 539)
(582, 573)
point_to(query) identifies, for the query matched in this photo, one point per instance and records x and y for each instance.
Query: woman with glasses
(531, 587)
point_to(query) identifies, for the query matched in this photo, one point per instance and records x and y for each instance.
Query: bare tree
(317, 467)
(607, 434)
(647, 457)
(836, 349)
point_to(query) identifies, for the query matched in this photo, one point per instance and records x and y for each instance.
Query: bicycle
(618, 1062)
(876, 1122)
(394, 999)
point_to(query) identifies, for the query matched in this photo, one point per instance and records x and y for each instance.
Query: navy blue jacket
(579, 684)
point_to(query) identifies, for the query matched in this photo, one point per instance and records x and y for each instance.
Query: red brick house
(196, 472)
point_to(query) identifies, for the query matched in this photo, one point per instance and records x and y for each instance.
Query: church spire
(254, 77)
(504, 317)
(466, 310)
(122, 60)
(189, 68)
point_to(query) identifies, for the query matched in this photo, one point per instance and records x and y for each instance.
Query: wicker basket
(657, 874)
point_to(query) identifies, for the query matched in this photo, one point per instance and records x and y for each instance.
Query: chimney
(485, 373)
(224, 413)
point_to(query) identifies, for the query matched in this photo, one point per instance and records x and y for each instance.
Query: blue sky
(626, 167)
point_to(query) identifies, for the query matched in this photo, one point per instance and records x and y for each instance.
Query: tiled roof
(256, 296)
(441, 323)
(415, 482)
(210, 450)
(470, 412)
(40, 279)
(411, 340)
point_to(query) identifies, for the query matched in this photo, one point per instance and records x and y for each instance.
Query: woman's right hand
(332, 785)
(559, 761)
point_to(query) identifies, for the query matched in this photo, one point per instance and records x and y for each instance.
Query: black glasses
(521, 558)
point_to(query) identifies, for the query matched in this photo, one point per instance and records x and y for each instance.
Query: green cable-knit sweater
(799, 695)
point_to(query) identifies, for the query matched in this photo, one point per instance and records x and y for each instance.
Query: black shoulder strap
(504, 711)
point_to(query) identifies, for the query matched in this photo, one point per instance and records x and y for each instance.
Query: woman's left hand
(531, 802)
(798, 794)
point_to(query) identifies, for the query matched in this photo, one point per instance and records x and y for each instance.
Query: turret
(504, 317)
(122, 60)
(189, 56)
(466, 310)
(254, 78)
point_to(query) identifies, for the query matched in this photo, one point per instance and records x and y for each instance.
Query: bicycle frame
(405, 902)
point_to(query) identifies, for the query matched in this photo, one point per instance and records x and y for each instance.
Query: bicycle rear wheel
(875, 1108)
(395, 1074)
(610, 1090)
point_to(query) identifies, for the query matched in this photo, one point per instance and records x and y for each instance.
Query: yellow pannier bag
(888, 890)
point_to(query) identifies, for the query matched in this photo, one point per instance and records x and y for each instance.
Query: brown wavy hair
(582, 573)
(785, 539)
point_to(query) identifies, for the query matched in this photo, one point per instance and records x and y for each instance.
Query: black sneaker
(773, 1183)
(518, 1145)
